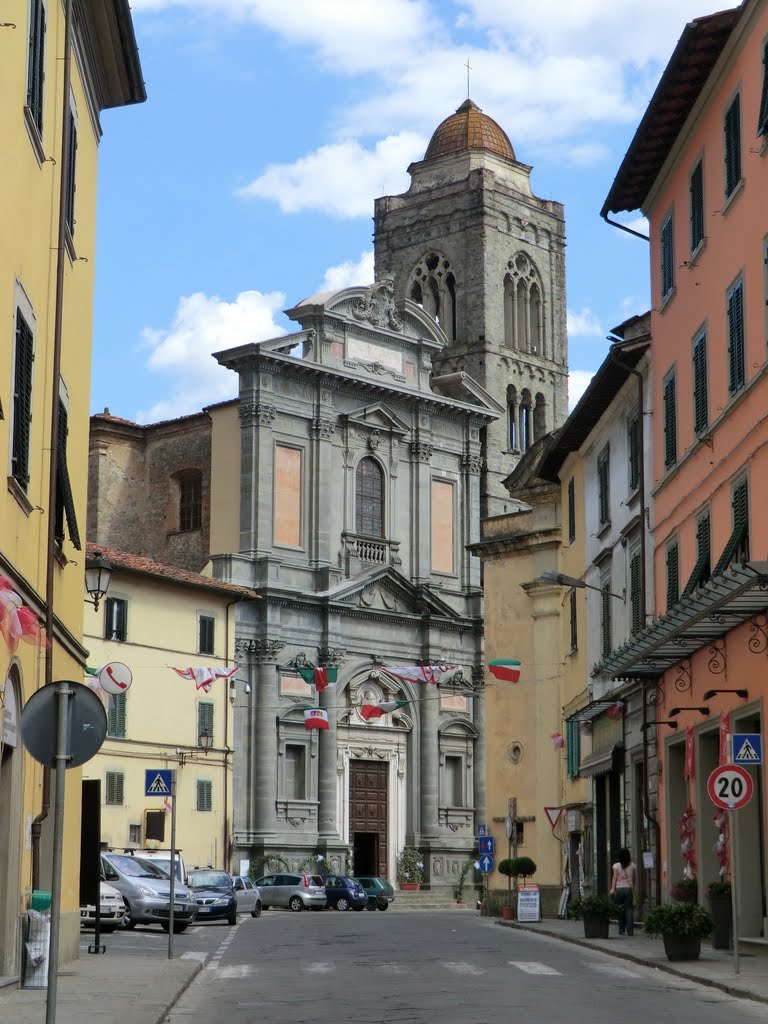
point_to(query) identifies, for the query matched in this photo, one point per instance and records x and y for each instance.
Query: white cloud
(201, 325)
(584, 324)
(346, 275)
(340, 179)
(637, 224)
(578, 382)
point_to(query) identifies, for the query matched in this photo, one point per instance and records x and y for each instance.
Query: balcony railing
(360, 552)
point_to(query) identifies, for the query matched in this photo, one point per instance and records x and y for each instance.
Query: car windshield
(136, 867)
(209, 880)
(164, 863)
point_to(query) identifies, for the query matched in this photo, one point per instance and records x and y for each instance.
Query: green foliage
(516, 867)
(683, 919)
(719, 888)
(410, 867)
(599, 906)
(348, 861)
(686, 890)
(458, 892)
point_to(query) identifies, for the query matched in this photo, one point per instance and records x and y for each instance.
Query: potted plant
(721, 908)
(458, 892)
(682, 926)
(508, 867)
(410, 868)
(596, 913)
(685, 891)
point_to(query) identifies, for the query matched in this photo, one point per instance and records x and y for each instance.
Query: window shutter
(206, 638)
(204, 795)
(204, 719)
(700, 404)
(701, 571)
(116, 714)
(732, 131)
(635, 592)
(114, 788)
(667, 258)
(762, 120)
(36, 71)
(115, 618)
(573, 748)
(69, 207)
(737, 548)
(697, 206)
(65, 503)
(633, 443)
(571, 510)
(603, 477)
(574, 621)
(673, 575)
(22, 401)
(670, 422)
(736, 339)
(605, 619)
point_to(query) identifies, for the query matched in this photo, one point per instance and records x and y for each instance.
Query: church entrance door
(368, 815)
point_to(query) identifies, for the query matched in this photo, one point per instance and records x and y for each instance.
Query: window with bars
(571, 510)
(115, 618)
(36, 62)
(190, 502)
(134, 834)
(603, 490)
(737, 548)
(204, 795)
(670, 419)
(732, 146)
(65, 503)
(700, 385)
(574, 622)
(696, 189)
(633, 449)
(701, 570)
(762, 118)
(606, 618)
(204, 721)
(116, 714)
(736, 354)
(369, 498)
(22, 401)
(115, 784)
(69, 200)
(295, 771)
(206, 627)
(673, 574)
(572, 748)
(636, 591)
(667, 257)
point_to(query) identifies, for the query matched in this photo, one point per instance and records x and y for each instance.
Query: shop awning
(720, 605)
(608, 760)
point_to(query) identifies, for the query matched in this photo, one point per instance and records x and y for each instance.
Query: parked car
(295, 891)
(112, 910)
(344, 893)
(379, 891)
(214, 894)
(146, 890)
(248, 896)
(162, 858)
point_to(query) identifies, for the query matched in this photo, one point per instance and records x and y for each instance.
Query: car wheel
(232, 919)
(383, 906)
(128, 921)
(342, 903)
(296, 904)
(256, 912)
(371, 904)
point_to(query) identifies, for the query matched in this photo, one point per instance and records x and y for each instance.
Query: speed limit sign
(730, 786)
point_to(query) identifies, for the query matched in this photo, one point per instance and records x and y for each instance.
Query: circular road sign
(86, 724)
(730, 786)
(115, 677)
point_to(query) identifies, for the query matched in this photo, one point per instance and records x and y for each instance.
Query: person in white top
(623, 884)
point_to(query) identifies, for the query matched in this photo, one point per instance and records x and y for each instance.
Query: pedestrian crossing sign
(157, 781)
(747, 748)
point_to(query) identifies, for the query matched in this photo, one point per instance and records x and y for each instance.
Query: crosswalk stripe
(189, 955)
(235, 971)
(533, 967)
(460, 967)
(620, 972)
(392, 968)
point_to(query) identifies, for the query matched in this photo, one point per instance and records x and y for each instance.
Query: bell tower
(471, 243)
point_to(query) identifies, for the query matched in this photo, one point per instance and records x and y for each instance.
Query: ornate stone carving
(331, 655)
(261, 649)
(378, 306)
(322, 427)
(472, 463)
(374, 440)
(254, 412)
(421, 451)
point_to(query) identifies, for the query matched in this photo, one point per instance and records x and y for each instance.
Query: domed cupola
(469, 128)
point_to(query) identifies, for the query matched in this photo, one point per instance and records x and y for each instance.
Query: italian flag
(507, 669)
(315, 718)
(318, 677)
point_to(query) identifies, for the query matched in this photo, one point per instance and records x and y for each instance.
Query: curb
(731, 990)
(197, 967)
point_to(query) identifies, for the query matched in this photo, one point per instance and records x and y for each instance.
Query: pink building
(698, 169)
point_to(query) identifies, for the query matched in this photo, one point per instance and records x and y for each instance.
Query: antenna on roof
(468, 66)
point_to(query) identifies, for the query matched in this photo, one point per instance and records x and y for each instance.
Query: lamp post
(98, 573)
(205, 740)
(571, 581)
(677, 711)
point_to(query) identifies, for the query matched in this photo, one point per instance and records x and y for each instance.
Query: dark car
(214, 894)
(378, 890)
(344, 893)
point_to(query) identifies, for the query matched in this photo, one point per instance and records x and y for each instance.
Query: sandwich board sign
(528, 903)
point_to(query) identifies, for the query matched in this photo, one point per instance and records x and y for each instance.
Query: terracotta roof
(469, 128)
(127, 562)
(107, 417)
(689, 67)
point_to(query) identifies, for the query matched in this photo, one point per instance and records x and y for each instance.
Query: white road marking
(392, 968)
(460, 967)
(533, 967)
(620, 972)
(320, 968)
(202, 957)
(235, 971)
(215, 961)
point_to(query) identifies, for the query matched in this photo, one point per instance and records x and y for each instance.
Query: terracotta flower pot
(508, 913)
(409, 886)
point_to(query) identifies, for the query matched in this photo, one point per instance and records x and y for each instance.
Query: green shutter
(697, 206)
(673, 575)
(36, 62)
(65, 504)
(114, 788)
(115, 618)
(762, 120)
(633, 444)
(206, 637)
(701, 571)
(571, 510)
(700, 402)
(116, 715)
(574, 622)
(736, 362)
(573, 748)
(603, 477)
(667, 258)
(732, 132)
(69, 206)
(737, 548)
(635, 592)
(22, 401)
(204, 719)
(204, 795)
(605, 619)
(670, 422)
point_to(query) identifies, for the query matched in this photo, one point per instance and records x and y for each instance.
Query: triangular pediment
(377, 417)
(386, 590)
(463, 388)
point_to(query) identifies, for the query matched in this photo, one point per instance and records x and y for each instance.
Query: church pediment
(387, 591)
(377, 417)
(463, 388)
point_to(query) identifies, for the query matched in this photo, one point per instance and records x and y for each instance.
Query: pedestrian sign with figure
(157, 781)
(747, 748)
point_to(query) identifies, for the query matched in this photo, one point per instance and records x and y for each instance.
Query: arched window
(540, 417)
(433, 286)
(512, 428)
(523, 307)
(526, 420)
(369, 498)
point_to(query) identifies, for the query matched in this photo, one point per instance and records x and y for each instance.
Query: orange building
(698, 169)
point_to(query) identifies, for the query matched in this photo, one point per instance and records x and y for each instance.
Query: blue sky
(246, 181)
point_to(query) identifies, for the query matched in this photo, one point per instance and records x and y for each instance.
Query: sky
(246, 181)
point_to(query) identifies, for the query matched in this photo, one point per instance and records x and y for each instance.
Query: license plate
(106, 912)
(203, 910)
(178, 908)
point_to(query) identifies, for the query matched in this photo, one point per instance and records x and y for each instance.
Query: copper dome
(469, 128)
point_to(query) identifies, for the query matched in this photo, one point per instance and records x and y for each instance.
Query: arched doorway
(11, 771)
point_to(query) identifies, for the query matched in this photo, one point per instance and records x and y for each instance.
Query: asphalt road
(451, 967)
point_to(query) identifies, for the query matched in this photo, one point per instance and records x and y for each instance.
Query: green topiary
(683, 919)
(599, 906)
(410, 867)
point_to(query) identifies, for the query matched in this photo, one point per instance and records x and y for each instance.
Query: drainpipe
(53, 470)
(624, 227)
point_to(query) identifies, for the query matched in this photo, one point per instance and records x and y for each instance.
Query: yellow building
(46, 300)
(157, 618)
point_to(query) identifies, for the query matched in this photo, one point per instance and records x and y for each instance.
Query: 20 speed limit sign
(730, 786)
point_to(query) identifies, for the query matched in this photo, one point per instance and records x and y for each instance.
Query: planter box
(596, 926)
(682, 947)
(409, 886)
(722, 917)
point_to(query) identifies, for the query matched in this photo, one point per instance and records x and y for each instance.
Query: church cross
(468, 66)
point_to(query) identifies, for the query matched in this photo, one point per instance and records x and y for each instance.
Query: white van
(162, 858)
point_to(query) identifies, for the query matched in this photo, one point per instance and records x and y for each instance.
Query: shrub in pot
(682, 926)
(410, 868)
(719, 895)
(685, 891)
(596, 913)
(508, 867)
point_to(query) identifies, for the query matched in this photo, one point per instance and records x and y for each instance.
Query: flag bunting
(204, 676)
(506, 669)
(315, 718)
(318, 676)
(420, 673)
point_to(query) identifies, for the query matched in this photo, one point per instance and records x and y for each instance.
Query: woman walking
(623, 884)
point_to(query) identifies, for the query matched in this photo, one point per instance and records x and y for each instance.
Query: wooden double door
(369, 815)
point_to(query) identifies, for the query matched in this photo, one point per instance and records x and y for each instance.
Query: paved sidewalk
(715, 967)
(113, 990)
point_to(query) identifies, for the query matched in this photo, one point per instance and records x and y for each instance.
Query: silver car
(293, 890)
(146, 890)
(248, 896)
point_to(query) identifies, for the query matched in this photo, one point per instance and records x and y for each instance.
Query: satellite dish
(86, 724)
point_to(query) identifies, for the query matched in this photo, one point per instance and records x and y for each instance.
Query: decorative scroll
(683, 682)
(656, 695)
(716, 662)
(758, 627)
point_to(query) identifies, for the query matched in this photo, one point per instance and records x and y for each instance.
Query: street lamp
(713, 693)
(677, 711)
(662, 721)
(205, 740)
(98, 572)
(571, 581)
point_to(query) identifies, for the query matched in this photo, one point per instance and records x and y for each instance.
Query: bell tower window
(433, 287)
(523, 307)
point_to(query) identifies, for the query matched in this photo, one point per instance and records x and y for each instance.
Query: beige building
(157, 618)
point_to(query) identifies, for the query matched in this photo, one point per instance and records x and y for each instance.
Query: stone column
(262, 738)
(478, 766)
(421, 506)
(256, 463)
(327, 819)
(428, 762)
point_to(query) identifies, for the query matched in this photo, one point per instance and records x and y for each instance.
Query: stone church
(365, 447)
